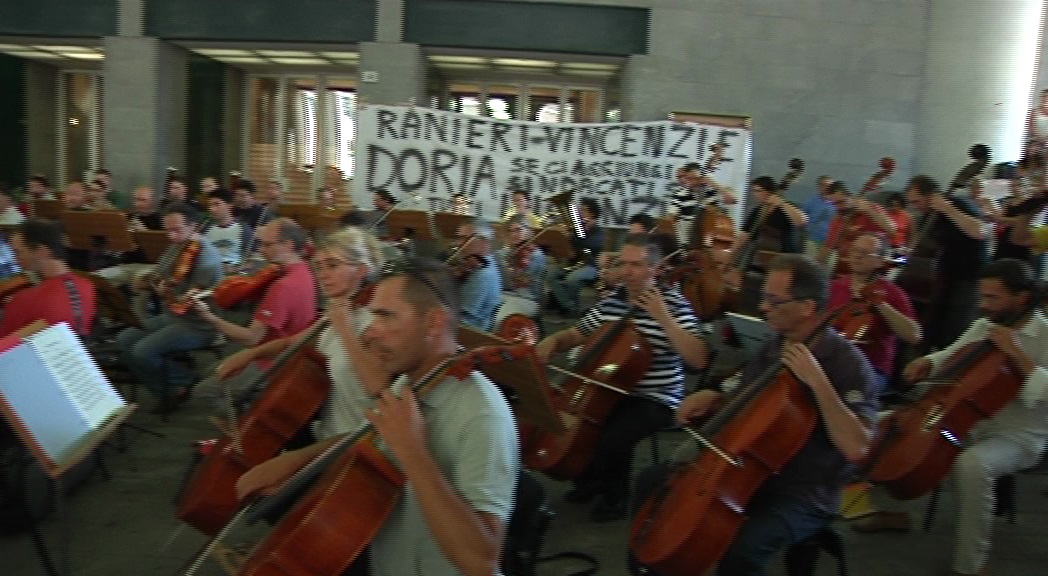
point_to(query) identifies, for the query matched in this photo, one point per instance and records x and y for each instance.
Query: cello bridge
(608, 369)
(933, 418)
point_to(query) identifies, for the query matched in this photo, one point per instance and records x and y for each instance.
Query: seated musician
(75, 197)
(477, 274)
(962, 236)
(566, 287)
(9, 214)
(520, 203)
(95, 193)
(39, 188)
(461, 205)
(109, 195)
(177, 192)
(774, 214)
(853, 215)
(894, 316)
(143, 216)
(246, 206)
(1015, 437)
(693, 191)
(190, 262)
(457, 446)
(805, 496)
(60, 296)
(524, 262)
(289, 304)
(229, 235)
(345, 261)
(666, 320)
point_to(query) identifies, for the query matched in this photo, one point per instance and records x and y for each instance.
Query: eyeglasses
(775, 301)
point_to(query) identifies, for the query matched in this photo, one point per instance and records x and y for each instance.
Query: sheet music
(76, 372)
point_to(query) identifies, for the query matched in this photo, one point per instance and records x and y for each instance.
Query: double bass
(916, 445)
(919, 277)
(614, 359)
(849, 230)
(690, 521)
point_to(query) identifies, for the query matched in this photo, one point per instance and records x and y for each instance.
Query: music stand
(47, 209)
(413, 224)
(525, 375)
(320, 220)
(556, 243)
(103, 230)
(296, 211)
(152, 242)
(448, 223)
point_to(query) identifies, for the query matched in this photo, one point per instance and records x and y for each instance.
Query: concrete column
(389, 21)
(145, 100)
(978, 73)
(401, 73)
(41, 82)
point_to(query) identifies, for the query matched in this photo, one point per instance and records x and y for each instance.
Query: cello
(916, 446)
(616, 357)
(690, 521)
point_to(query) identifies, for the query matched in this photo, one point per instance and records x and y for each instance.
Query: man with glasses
(893, 316)
(289, 303)
(455, 443)
(805, 495)
(146, 350)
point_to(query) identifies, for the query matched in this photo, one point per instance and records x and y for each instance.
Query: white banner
(425, 156)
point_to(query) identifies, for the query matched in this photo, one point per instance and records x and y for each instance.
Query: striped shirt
(664, 380)
(686, 203)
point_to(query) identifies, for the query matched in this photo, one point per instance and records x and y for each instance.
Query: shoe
(580, 495)
(606, 510)
(882, 522)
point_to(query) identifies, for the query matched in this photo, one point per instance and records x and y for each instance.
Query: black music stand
(97, 233)
(47, 209)
(556, 243)
(447, 224)
(152, 242)
(524, 375)
(411, 224)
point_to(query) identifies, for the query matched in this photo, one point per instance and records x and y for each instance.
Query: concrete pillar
(978, 73)
(41, 82)
(389, 21)
(400, 70)
(145, 100)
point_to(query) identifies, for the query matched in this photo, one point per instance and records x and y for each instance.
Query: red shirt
(290, 303)
(903, 223)
(879, 342)
(50, 301)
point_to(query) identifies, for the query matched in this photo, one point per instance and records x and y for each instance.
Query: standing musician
(896, 207)
(344, 261)
(772, 213)
(521, 206)
(477, 274)
(820, 213)
(190, 262)
(567, 285)
(383, 202)
(892, 313)
(60, 296)
(805, 495)
(456, 446)
(692, 192)
(665, 319)
(1015, 437)
(289, 304)
(524, 261)
(962, 236)
(854, 215)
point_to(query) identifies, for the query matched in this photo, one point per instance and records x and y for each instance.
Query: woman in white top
(344, 260)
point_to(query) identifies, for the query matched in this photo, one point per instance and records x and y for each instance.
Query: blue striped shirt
(664, 380)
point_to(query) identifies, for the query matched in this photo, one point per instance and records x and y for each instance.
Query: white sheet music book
(53, 393)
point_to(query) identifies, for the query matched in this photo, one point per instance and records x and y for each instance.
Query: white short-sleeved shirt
(346, 405)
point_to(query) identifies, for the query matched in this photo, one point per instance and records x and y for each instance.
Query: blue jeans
(146, 352)
(566, 289)
(772, 525)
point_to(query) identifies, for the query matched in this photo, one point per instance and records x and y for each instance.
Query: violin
(236, 290)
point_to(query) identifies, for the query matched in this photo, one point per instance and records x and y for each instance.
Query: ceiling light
(523, 63)
(286, 53)
(457, 59)
(84, 56)
(588, 66)
(4, 47)
(341, 55)
(36, 54)
(215, 52)
(243, 60)
(300, 61)
(69, 49)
